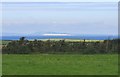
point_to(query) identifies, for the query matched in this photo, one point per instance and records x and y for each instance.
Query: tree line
(24, 46)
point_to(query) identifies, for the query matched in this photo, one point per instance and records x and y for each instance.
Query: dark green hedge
(23, 46)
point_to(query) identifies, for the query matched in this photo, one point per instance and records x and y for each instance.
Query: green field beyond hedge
(60, 64)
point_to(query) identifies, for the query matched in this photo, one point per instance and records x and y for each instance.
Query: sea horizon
(80, 37)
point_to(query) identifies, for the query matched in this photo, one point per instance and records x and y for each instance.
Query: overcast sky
(74, 18)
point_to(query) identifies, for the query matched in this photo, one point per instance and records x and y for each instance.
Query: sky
(100, 18)
(59, 0)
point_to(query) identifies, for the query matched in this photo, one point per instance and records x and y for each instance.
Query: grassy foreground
(60, 64)
(0, 63)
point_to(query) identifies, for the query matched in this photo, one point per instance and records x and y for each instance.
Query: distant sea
(89, 37)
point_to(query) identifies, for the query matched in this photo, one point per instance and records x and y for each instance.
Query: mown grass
(60, 64)
(72, 40)
(0, 64)
(4, 42)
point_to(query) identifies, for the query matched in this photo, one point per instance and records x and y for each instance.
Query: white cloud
(56, 34)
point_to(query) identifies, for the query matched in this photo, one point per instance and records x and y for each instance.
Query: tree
(22, 38)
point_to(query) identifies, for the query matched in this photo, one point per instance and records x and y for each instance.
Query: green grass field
(0, 64)
(4, 42)
(71, 40)
(60, 64)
